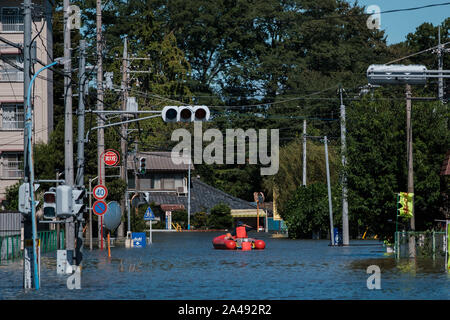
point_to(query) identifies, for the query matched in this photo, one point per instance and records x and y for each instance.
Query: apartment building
(12, 87)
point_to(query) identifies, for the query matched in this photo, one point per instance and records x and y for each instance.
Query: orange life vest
(241, 233)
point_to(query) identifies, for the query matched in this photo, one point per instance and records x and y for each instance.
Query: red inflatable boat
(237, 243)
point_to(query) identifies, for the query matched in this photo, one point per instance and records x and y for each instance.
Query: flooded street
(185, 266)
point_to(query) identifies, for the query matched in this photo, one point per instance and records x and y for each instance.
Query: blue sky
(398, 24)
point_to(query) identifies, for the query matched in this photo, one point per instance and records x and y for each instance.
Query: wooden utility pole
(100, 122)
(409, 150)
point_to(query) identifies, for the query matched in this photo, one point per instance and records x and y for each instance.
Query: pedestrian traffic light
(77, 201)
(147, 197)
(185, 113)
(142, 165)
(50, 204)
(406, 204)
(25, 198)
(64, 201)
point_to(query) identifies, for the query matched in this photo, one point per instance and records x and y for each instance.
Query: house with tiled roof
(166, 180)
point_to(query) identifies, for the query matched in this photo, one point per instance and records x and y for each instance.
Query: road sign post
(149, 216)
(99, 209)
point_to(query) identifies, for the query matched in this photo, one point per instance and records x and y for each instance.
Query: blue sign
(149, 215)
(139, 239)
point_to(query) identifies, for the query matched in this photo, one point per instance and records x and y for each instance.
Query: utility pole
(345, 231)
(440, 53)
(304, 152)
(409, 150)
(80, 149)
(28, 265)
(100, 132)
(123, 141)
(330, 205)
(80, 113)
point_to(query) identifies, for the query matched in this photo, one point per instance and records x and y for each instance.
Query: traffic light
(25, 198)
(147, 197)
(64, 201)
(406, 204)
(142, 165)
(50, 204)
(77, 201)
(185, 113)
(397, 74)
(170, 114)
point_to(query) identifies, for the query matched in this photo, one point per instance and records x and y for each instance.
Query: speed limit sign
(100, 192)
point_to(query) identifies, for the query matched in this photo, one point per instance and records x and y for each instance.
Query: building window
(12, 165)
(168, 183)
(7, 70)
(12, 116)
(12, 19)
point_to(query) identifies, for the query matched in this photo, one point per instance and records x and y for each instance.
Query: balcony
(9, 75)
(11, 169)
(11, 23)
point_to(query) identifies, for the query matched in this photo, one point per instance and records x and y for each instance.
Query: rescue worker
(240, 231)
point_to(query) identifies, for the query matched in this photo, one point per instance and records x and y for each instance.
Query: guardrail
(11, 247)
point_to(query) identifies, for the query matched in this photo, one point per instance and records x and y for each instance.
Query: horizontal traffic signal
(185, 113)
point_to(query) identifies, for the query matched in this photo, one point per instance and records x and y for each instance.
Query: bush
(200, 220)
(180, 217)
(307, 211)
(220, 217)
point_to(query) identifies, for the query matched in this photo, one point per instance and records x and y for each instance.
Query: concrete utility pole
(28, 278)
(68, 133)
(409, 150)
(330, 205)
(304, 152)
(440, 53)
(345, 231)
(80, 113)
(100, 131)
(80, 149)
(123, 140)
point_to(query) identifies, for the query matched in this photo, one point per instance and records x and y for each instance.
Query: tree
(307, 211)
(200, 220)
(376, 158)
(220, 217)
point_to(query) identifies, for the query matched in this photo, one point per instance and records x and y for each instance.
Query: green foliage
(290, 173)
(12, 197)
(307, 211)
(200, 220)
(180, 217)
(377, 162)
(220, 217)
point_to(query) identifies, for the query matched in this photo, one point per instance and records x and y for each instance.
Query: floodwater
(181, 266)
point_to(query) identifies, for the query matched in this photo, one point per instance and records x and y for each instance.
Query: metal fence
(427, 244)
(11, 247)
(11, 23)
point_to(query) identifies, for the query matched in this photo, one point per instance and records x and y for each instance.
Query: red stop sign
(111, 158)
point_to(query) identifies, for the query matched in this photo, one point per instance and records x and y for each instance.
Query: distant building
(11, 86)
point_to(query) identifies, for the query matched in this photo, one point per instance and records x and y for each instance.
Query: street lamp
(28, 132)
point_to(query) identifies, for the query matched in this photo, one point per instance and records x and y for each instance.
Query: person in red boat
(240, 231)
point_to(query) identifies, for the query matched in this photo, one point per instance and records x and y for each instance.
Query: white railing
(12, 23)
(11, 169)
(10, 75)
